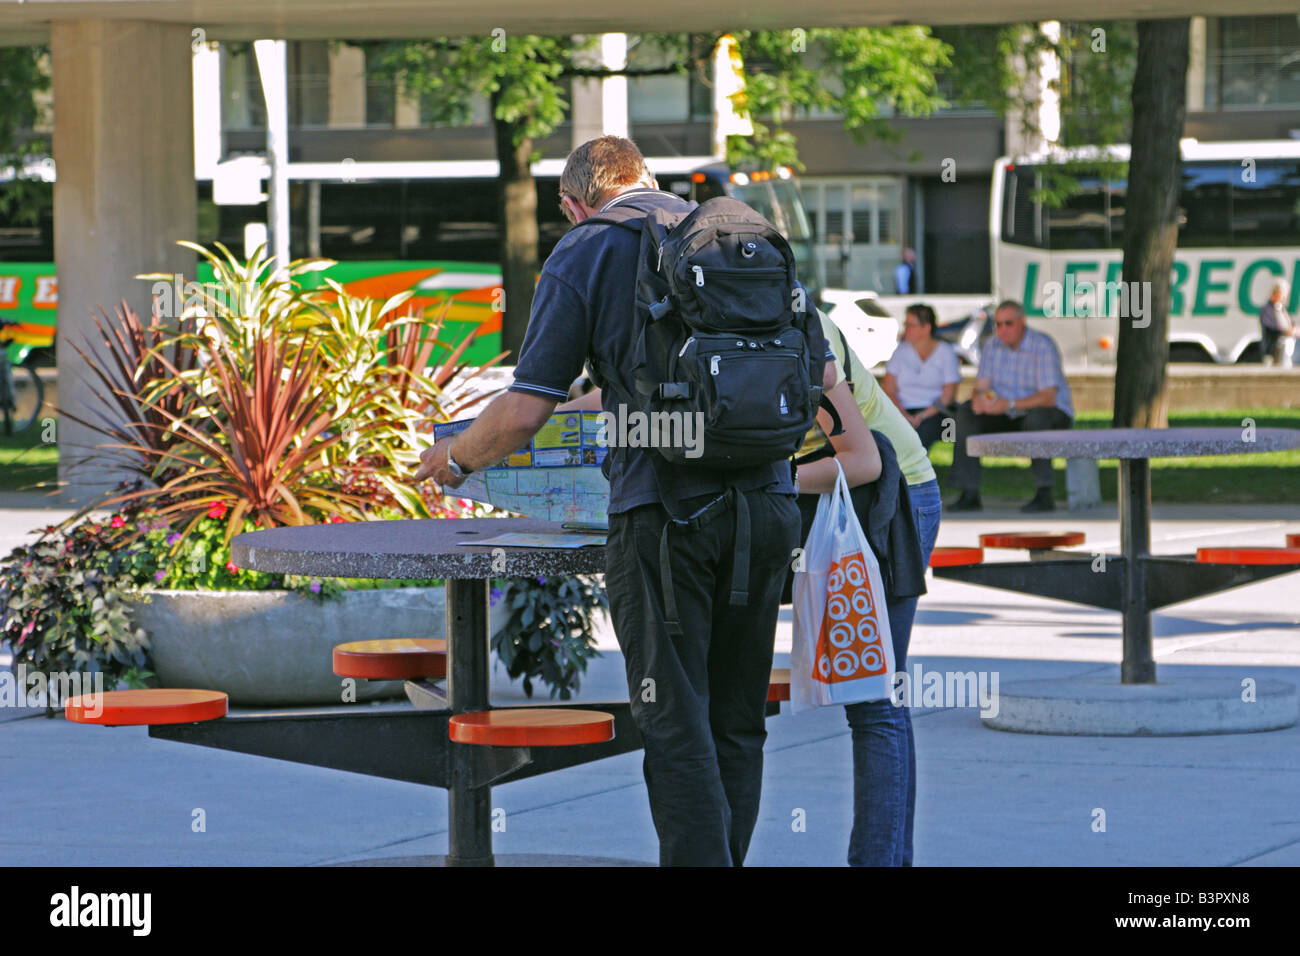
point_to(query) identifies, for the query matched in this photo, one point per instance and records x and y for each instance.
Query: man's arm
(590, 402)
(1047, 370)
(1044, 398)
(506, 425)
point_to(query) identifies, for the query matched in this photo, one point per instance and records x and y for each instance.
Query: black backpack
(722, 329)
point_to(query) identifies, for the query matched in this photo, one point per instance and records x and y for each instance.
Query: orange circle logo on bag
(848, 647)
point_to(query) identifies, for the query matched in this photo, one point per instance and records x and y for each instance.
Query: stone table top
(1134, 442)
(424, 548)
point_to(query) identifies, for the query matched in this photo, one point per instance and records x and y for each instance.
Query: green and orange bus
(431, 228)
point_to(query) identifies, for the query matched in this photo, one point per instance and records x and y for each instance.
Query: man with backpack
(690, 309)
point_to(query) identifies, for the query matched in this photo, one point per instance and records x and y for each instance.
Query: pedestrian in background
(1278, 331)
(922, 375)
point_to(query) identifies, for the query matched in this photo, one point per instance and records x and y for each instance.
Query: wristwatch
(456, 469)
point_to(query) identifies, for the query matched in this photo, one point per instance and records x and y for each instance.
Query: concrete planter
(272, 648)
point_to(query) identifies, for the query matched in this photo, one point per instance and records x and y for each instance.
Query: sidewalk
(99, 796)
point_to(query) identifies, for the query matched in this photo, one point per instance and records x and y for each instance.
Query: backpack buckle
(669, 391)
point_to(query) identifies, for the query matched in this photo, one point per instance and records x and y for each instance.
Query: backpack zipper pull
(699, 274)
(659, 266)
(685, 346)
(713, 362)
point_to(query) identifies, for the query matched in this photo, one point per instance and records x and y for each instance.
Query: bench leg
(469, 808)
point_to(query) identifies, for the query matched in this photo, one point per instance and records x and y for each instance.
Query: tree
(520, 76)
(1151, 220)
(23, 77)
(1100, 62)
(861, 74)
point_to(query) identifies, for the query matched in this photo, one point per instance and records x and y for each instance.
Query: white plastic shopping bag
(843, 651)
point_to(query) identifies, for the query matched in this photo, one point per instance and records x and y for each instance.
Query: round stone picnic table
(422, 548)
(1133, 447)
(432, 548)
(1134, 443)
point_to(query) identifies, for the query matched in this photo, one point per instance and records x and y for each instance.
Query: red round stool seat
(953, 557)
(1248, 555)
(125, 708)
(1031, 539)
(532, 727)
(779, 688)
(400, 658)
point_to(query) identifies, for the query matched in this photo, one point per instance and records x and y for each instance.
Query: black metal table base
(398, 744)
(1134, 587)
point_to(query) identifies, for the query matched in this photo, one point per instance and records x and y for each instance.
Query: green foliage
(65, 600)
(865, 75)
(22, 77)
(547, 632)
(272, 403)
(1098, 60)
(158, 556)
(990, 67)
(518, 73)
(61, 606)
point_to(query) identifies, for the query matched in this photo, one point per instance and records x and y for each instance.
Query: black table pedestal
(469, 807)
(1138, 666)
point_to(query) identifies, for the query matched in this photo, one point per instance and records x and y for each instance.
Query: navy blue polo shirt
(583, 314)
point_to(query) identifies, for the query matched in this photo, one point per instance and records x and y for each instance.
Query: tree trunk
(1151, 222)
(519, 236)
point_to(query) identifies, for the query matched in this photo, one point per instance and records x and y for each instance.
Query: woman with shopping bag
(897, 511)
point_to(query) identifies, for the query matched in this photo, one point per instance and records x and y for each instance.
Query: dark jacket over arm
(884, 509)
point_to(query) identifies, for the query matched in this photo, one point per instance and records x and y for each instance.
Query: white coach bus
(1238, 232)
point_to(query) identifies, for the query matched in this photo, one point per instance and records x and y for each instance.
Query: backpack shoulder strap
(848, 359)
(625, 215)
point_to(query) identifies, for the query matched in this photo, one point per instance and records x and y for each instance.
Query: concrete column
(728, 80)
(1196, 65)
(207, 109)
(600, 103)
(124, 150)
(1035, 123)
(273, 69)
(407, 113)
(347, 87)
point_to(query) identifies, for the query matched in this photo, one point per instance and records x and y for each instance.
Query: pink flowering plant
(266, 404)
(61, 607)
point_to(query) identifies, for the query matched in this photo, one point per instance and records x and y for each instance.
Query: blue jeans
(884, 755)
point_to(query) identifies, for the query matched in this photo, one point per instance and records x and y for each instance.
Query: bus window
(1266, 205)
(1205, 204)
(1081, 222)
(1021, 216)
(27, 224)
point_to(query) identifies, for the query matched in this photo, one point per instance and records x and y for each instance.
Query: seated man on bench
(1021, 387)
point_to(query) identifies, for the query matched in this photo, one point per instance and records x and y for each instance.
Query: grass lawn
(1229, 479)
(1270, 478)
(26, 461)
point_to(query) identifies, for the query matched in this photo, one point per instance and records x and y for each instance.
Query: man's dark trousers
(965, 473)
(699, 698)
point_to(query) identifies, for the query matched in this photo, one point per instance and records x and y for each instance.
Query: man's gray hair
(1012, 304)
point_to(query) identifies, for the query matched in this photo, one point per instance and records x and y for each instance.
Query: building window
(1252, 62)
(480, 111)
(242, 103)
(858, 226)
(668, 97)
(381, 95)
(309, 82)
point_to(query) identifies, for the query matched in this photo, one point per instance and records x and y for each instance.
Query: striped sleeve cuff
(545, 391)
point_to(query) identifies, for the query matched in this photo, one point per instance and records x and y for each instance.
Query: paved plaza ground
(79, 795)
